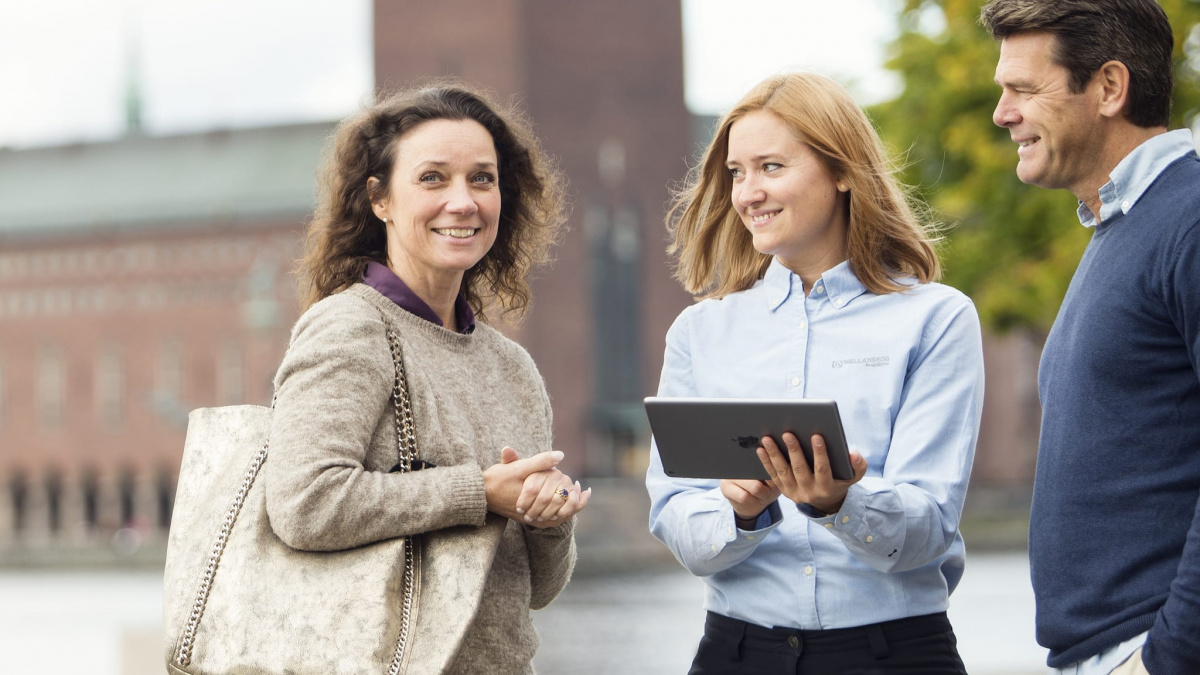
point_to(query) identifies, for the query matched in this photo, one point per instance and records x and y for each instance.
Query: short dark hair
(345, 234)
(1089, 33)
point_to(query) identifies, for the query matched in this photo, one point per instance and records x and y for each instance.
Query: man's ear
(1113, 81)
(379, 203)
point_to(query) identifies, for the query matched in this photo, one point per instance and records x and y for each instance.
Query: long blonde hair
(885, 239)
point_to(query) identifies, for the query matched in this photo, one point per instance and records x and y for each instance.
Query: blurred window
(3, 389)
(230, 373)
(51, 386)
(170, 369)
(110, 387)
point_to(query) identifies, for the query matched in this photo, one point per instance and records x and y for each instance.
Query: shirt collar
(1134, 174)
(383, 279)
(839, 284)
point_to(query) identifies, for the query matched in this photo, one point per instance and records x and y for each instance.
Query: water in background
(627, 624)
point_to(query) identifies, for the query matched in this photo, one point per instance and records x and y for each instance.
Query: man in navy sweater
(1114, 540)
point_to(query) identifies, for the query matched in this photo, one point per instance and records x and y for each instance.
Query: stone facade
(146, 277)
(106, 343)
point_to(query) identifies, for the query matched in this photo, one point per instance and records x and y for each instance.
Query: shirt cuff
(850, 521)
(812, 512)
(768, 520)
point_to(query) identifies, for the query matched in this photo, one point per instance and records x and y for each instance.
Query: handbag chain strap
(406, 446)
(183, 656)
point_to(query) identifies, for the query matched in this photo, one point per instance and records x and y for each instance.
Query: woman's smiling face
(785, 195)
(442, 205)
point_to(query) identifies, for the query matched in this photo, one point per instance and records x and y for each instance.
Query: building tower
(603, 83)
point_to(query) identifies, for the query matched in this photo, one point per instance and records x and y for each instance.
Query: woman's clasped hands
(532, 490)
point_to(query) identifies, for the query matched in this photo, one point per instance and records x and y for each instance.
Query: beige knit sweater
(333, 440)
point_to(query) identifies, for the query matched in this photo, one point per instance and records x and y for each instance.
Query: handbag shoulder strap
(406, 439)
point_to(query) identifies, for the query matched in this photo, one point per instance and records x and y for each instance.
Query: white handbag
(236, 599)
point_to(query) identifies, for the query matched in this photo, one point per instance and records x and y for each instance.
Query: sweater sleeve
(551, 550)
(332, 392)
(1173, 645)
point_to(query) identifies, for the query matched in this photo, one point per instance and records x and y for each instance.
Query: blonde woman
(816, 279)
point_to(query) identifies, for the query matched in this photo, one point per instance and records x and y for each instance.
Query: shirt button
(750, 537)
(714, 548)
(829, 526)
(808, 570)
(795, 381)
(870, 538)
(793, 642)
(1125, 205)
(803, 325)
(845, 519)
(839, 302)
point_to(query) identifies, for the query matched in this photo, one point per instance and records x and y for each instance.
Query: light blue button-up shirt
(906, 370)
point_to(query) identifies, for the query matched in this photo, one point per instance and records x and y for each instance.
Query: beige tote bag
(236, 599)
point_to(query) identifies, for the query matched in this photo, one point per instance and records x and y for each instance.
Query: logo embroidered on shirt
(868, 361)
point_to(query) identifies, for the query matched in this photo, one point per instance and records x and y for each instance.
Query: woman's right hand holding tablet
(816, 486)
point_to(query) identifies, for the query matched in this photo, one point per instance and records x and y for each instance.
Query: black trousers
(920, 645)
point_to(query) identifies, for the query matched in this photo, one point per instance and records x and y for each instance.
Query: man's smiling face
(1055, 129)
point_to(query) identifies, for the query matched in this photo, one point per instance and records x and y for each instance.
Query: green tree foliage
(1011, 246)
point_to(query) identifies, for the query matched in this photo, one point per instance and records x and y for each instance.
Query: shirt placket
(803, 314)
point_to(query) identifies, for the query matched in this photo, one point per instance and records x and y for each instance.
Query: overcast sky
(65, 64)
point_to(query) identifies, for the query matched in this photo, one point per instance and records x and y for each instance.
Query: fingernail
(529, 519)
(520, 510)
(541, 520)
(557, 455)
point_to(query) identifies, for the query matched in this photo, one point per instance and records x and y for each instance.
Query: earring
(842, 187)
(384, 220)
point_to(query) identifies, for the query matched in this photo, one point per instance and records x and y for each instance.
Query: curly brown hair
(345, 234)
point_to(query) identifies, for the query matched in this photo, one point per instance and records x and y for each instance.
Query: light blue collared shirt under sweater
(906, 370)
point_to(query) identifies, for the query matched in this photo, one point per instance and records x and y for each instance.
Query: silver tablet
(717, 437)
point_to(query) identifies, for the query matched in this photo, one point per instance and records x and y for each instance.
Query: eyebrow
(758, 158)
(484, 164)
(1014, 82)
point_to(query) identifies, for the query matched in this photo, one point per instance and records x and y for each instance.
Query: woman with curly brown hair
(435, 205)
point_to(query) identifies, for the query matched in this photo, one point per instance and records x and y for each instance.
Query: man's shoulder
(1172, 201)
(1178, 181)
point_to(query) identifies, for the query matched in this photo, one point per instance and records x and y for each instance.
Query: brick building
(138, 279)
(145, 277)
(603, 83)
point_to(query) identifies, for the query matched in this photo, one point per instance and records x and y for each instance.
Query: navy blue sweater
(1115, 528)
